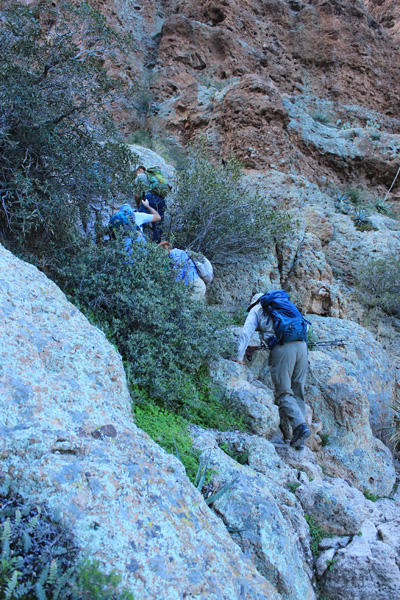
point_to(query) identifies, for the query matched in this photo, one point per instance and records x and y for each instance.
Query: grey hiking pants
(289, 365)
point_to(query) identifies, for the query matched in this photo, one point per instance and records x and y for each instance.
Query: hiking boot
(300, 434)
(285, 428)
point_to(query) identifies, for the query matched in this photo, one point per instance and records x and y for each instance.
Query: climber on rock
(283, 331)
(151, 186)
(186, 270)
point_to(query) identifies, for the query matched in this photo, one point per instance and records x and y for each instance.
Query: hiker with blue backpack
(186, 270)
(283, 331)
(151, 185)
(129, 222)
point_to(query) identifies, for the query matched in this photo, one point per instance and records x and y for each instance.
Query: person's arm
(153, 212)
(248, 330)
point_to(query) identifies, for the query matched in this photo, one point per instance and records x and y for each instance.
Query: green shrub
(379, 284)
(40, 558)
(317, 534)
(214, 214)
(163, 336)
(342, 202)
(395, 435)
(356, 195)
(324, 437)
(54, 95)
(321, 117)
(383, 207)
(370, 496)
(170, 431)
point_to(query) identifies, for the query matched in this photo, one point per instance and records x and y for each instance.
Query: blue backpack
(123, 220)
(289, 323)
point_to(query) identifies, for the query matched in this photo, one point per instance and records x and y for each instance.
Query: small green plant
(376, 136)
(324, 437)
(293, 486)
(342, 202)
(369, 495)
(311, 338)
(170, 431)
(317, 534)
(331, 563)
(373, 124)
(141, 137)
(356, 195)
(383, 207)
(379, 284)
(321, 117)
(201, 477)
(242, 457)
(361, 219)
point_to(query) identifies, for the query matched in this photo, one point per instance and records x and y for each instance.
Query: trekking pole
(326, 343)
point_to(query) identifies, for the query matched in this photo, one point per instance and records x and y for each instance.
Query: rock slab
(67, 437)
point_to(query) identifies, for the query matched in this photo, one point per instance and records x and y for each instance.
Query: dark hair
(140, 167)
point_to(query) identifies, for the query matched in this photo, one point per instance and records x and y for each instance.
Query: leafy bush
(369, 495)
(379, 284)
(395, 436)
(40, 558)
(163, 336)
(214, 214)
(54, 96)
(293, 486)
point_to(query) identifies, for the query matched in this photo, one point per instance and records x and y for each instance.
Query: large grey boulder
(68, 438)
(348, 388)
(332, 505)
(255, 400)
(251, 510)
(365, 569)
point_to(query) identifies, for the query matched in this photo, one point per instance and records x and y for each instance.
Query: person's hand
(146, 203)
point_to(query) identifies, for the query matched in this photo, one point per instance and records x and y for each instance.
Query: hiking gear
(300, 434)
(123, 219)
(157, 183)
(203, 266)
(289, 323)
(327, 343)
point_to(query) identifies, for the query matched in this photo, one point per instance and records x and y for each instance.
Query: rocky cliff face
(67, 438)
(303, 92)
(250, 75)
